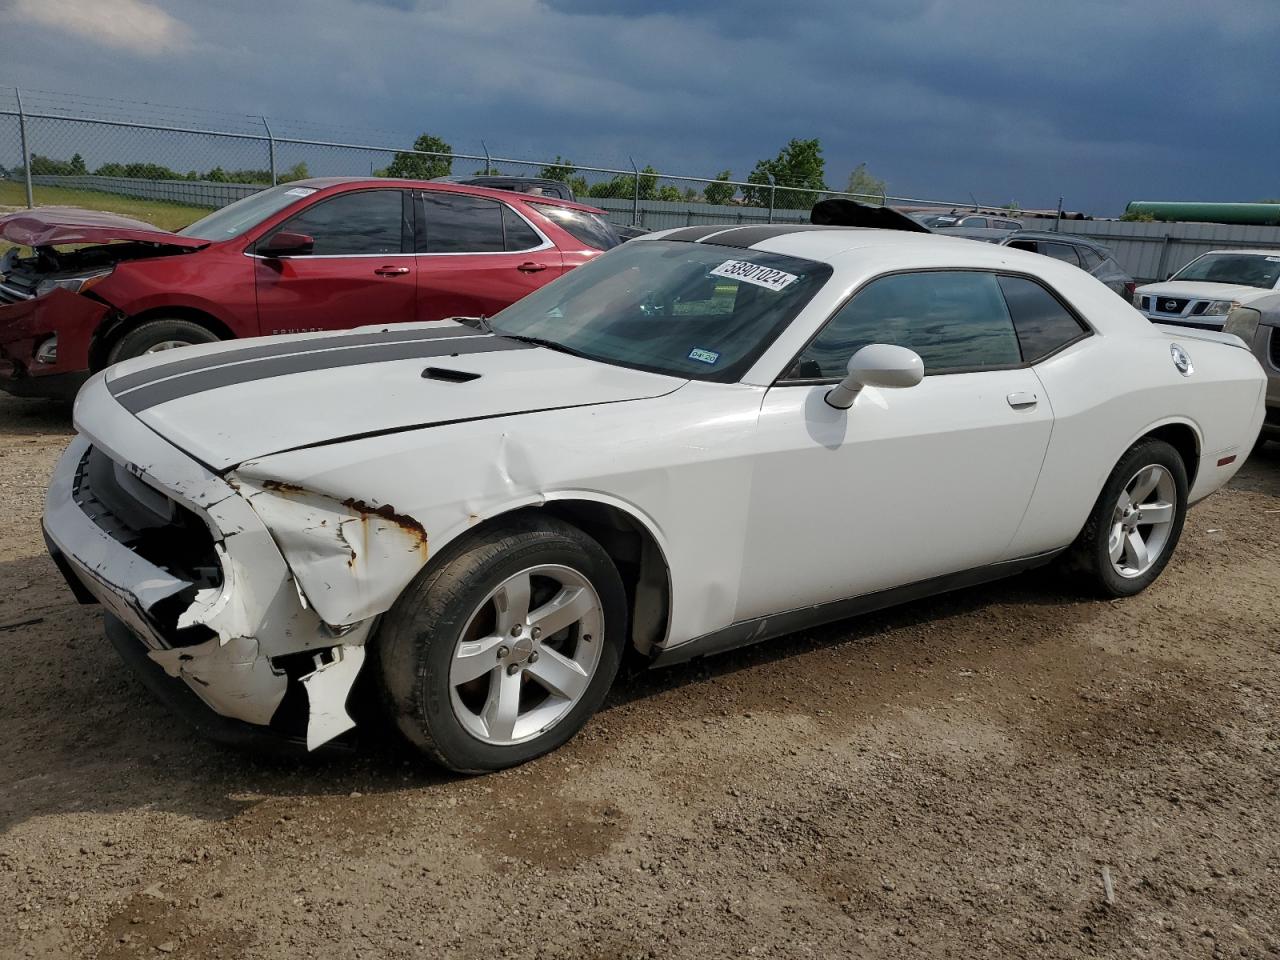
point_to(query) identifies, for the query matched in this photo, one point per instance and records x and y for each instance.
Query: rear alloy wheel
(1137, 520)
(503, 651)
(157, 335)
(1142, 521)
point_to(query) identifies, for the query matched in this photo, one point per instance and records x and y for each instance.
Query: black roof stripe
(694, 234)
(745, 237)
(741, 235)
(212, 378)
(259, 349)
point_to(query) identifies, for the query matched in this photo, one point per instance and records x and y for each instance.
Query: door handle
(391, 271)
(1020, 401)
(530, 267)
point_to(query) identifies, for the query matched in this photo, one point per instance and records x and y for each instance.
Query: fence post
(26, 154)
(773, 190)
(271, 148)
(488, 165)
(1162, 267)
(635, 200)
(1057, 223)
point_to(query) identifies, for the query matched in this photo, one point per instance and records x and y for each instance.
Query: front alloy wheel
(527, 655)
(505, 646)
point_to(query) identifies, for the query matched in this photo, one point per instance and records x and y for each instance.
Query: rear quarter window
(1043, 324)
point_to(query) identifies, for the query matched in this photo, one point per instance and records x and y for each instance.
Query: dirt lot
(948, 779)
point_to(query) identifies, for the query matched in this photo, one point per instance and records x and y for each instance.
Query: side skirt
(746, 632)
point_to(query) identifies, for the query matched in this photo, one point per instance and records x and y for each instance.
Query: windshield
(1245, 269)
(692, 310)
(235, 218)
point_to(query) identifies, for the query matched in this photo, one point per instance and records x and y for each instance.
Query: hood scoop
(449, 376)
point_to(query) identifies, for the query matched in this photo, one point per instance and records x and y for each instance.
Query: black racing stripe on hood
(142, 398)
(278, 348)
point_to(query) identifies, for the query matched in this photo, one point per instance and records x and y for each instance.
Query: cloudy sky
(1101, 101)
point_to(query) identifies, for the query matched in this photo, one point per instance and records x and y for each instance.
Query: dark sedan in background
(1089, 255)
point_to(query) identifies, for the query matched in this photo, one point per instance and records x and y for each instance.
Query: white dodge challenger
(704, 438)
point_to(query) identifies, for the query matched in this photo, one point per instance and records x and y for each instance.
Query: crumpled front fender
(350, 558)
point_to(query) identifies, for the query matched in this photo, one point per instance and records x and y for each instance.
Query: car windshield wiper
(481, 323)
(549, 344)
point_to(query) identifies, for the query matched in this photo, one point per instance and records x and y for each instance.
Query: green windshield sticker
(703, 356)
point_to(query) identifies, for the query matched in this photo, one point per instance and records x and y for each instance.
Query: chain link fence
(170, 165)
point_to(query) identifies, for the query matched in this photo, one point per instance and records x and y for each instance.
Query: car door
(477, 255)
(360, 270)
(908, 484)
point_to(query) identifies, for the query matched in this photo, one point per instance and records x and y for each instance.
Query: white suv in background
(1203, 292)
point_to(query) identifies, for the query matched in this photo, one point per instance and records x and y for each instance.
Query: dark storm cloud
(1097, 100)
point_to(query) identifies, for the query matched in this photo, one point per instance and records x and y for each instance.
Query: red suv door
(477, 255)
(361, 269)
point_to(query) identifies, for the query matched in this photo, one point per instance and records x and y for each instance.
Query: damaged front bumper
(174, 553)
(44, 342)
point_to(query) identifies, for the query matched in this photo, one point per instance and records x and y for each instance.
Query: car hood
(1202, 290)
(231, 402)
(49, 226)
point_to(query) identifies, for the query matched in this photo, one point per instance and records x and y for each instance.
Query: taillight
(1131, 288)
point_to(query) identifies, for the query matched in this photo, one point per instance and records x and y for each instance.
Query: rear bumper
(26, 325)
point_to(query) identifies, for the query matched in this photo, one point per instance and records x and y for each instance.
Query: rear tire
(1136, 522)
(157, 335)
(463, 640)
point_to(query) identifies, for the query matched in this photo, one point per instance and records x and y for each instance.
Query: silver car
(1258, 325)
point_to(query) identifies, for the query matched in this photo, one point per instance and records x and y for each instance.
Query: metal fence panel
(69, 148)
(1150, 251)
(168, 171)
(191, 193)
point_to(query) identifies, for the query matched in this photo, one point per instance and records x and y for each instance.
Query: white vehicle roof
(859, 254)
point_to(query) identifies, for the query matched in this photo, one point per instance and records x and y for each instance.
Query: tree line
(76, 167)
(791, 180)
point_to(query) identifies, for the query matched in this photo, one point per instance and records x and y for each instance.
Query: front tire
(503, 652)
(1136, 521)
(156, 335)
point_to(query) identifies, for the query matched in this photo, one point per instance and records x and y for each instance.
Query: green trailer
(1254, 214)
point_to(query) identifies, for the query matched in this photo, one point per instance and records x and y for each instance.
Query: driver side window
(359, 223)
(956, 320)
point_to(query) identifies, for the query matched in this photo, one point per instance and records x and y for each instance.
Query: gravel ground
(946, 780)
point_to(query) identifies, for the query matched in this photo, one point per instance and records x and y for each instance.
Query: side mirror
(876, 365)
(286, 244)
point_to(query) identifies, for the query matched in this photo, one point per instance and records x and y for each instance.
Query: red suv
(322, 254)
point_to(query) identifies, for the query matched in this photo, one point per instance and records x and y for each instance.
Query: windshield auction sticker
(754, 273)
